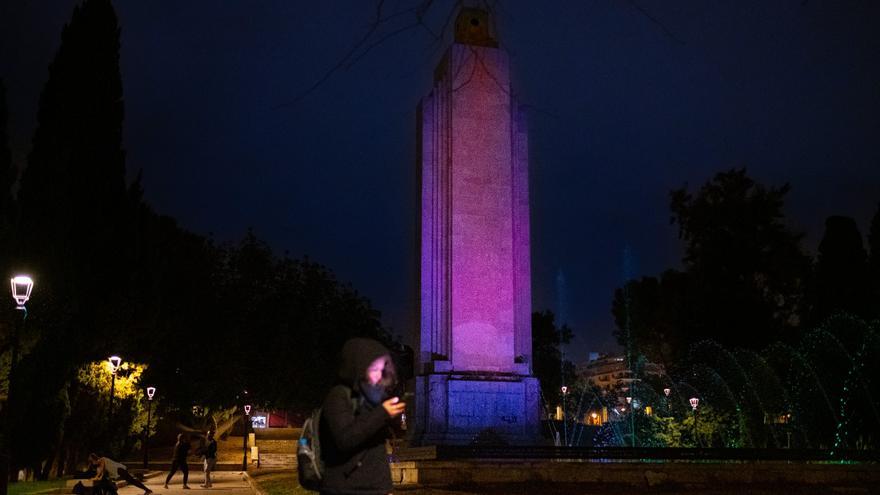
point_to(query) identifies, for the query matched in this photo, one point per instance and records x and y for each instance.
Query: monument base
(467, 408)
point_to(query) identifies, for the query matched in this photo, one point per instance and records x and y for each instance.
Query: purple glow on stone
(475, 280)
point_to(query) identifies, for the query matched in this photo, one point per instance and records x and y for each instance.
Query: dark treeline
(746, 279)
(754, 319)
(112, 276)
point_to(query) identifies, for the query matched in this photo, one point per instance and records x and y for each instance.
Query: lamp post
(151, 391)
(632, 421)
(21, 285)
(564, 390)
(695, 401)
(666, 392)
(115, 362)
(247, 413)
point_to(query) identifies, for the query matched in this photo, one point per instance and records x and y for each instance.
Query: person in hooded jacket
(356, 421)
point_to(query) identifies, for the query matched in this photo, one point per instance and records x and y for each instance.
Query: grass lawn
(280, 482)
(29, 487)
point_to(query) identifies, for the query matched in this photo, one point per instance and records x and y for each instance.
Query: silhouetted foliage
(8, 176)
(743, 278)
(841, 281)
(746, 266)
(874, 262)
(548, 364)
(114, 277)
(657, 311)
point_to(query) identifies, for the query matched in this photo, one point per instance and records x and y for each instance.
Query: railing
(453, 452)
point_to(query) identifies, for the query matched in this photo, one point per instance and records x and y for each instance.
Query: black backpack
(309, 465)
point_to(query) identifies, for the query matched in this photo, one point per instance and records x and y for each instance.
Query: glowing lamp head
(114, 361)
(564, 390)
(21, 289)
(629, 400)
(694, 402)
(594, 415)
(151, 391)
(247, 409)
(666, 392)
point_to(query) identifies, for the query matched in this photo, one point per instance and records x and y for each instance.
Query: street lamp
(151, 391)
(114, 361)
(247, 412)
(695, 401)
(21, 285)
(666, 392)
(564, 390)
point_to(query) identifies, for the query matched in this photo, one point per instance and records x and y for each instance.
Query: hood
(356, 356)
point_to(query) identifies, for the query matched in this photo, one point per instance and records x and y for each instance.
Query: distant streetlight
(151, 391)
(115, 362)
(695, 401)
(21, 285)
(629, 400)
(564, 390)
(666, 392)
(247, 412)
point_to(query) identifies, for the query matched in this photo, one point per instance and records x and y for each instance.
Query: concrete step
(276, 460)
(277, 433)
(277, 446)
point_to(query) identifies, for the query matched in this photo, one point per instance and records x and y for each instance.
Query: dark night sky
(627, 99)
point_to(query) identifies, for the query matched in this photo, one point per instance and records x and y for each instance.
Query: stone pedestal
(461, 409)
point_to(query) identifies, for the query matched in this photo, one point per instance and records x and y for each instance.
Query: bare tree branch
(364, 45)
(656, 21)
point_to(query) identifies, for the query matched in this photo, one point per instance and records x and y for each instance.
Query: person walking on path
(210, 455)
(105, 466)
(356, 421)
(178, 460)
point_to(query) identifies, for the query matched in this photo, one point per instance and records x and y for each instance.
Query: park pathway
(225, 483)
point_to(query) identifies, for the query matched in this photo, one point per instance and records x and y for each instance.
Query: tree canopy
(206, 321)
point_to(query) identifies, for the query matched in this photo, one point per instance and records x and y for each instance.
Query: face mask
(374, 394)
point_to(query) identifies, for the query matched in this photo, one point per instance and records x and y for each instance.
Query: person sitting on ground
(108, 469)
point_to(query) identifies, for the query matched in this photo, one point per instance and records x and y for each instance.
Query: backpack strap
(355, 403)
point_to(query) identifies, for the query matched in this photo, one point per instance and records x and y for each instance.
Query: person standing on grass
(178, 460)
(105, 466)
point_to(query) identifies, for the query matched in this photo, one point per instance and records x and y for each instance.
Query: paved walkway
(224, 483)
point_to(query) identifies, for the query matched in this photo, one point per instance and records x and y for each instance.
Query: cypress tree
(841, 280)
(73, 196)
(874, 262)
(8, 176)
(72, 228)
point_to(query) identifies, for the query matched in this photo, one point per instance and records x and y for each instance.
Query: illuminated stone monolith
(474, 372)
